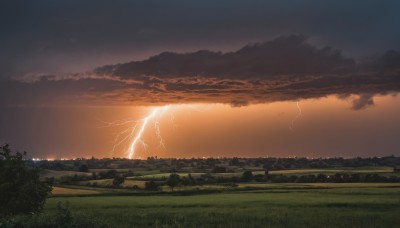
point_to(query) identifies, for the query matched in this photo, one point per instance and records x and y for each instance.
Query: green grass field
(360, 170)
(58, 174)
(251, 204)
(280, 205)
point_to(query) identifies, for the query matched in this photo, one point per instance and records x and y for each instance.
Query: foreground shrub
(21, 191)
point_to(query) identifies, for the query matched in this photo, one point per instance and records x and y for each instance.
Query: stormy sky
(78, 56)
(55, 36)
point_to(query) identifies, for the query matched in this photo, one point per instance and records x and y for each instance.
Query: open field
(58, 174)
(108, 182)
(206, 201)
(248, 187)
(350, 170)
(283, 205)
(72, 191)
(368, 169)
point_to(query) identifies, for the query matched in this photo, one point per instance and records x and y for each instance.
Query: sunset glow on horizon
(200, 79)
(211, 130)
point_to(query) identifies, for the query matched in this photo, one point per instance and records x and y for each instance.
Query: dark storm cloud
(286, 68)
(364, 101)
(49, 91)
(282, 56)
(58, 36)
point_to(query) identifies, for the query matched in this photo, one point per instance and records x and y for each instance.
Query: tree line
(210, 164)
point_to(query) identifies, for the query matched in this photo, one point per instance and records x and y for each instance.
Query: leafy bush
(247, 176)
(21, 190)
(118, 180)
(152, 186)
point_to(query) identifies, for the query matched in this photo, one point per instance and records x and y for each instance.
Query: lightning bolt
(131, 137)
(296, 117)
(134, 132)
(157, 112)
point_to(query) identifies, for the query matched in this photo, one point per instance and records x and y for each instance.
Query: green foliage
(64, 217)
(346, 205)
(107, 174)
(118, 180)
(173, 180)
(247, 175)
(21, 190)
(152, 186)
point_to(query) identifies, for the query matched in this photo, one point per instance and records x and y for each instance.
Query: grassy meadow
(277, 205)
(214, 198)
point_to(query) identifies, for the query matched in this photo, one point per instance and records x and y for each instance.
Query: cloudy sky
(67, 67)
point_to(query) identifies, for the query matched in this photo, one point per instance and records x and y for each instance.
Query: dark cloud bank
(286, 68)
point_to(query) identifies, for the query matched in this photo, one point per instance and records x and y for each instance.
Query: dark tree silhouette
(118, 180)
(173, 181)
(21, 190)
(247, 175)
(151, 186)
(83, 168)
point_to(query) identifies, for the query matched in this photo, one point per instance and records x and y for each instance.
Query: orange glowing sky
(232, 73)
(327, 127)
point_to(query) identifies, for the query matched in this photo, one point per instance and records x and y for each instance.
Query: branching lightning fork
(296, 117)
(135, 132)
(155, 114)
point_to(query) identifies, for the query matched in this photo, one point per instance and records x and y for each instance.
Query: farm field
(72, 191)
(283, 205)
(224, 195)
(327, 171)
